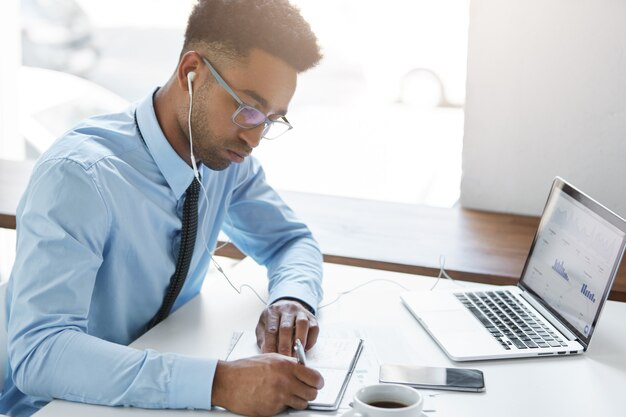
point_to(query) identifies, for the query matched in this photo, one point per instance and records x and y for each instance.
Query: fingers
(308, 382)
(285, 334)
(298, 402)
(301, 395)
(313, 332)
(263, 385)
(267, 331)
(309, 376)
(302, 327)
(282, 323)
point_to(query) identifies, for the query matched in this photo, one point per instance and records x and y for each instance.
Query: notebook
(334, 358)
(555, 306)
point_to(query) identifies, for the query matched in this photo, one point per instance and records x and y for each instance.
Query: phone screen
(456, 379)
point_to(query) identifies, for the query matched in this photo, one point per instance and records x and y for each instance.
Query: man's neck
(166, 104)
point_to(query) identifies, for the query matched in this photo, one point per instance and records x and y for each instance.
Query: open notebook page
(334, 358)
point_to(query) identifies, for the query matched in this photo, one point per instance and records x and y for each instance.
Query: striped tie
(187, 243)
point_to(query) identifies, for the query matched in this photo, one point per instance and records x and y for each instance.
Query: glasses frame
(242, 105)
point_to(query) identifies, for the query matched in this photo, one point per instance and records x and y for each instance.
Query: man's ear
(190, 62)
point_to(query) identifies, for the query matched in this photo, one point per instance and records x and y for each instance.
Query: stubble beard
(207, 146)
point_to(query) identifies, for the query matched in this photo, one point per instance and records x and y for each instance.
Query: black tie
(187, 243)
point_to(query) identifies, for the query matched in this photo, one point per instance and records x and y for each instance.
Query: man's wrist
(218, 390)
(304, 304)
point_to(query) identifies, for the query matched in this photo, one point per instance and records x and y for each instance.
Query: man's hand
(282, 323)
(264, 385)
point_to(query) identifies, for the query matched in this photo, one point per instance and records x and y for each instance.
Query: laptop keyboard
(510, 322)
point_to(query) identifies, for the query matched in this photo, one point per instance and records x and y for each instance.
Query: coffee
(387, 400)
(387, 404)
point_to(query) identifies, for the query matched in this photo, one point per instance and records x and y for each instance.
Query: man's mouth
(237, 157)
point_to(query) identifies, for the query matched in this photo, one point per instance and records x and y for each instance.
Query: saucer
(350, 413)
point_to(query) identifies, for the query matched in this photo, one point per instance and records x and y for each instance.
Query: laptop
(555, 306)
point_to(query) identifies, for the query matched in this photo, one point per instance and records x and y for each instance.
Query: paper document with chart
(556, 304)
(334, 358)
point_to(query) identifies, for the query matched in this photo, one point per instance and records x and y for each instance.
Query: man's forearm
(296, 273)
(75, 366)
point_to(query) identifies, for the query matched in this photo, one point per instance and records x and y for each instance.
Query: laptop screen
(574, 257)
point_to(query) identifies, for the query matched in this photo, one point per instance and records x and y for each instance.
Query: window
(380, 118)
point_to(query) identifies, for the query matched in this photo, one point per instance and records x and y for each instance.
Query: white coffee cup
(386, 400)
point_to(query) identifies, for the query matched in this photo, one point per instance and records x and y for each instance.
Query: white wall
(546, 96)
(11, 145)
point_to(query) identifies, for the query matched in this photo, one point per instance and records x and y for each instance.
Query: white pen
(300, 352)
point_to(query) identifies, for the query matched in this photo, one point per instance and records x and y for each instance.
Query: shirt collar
(176, 171)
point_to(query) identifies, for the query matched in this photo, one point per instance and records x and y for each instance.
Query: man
(101, 256)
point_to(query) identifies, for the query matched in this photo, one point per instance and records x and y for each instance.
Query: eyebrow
(262, 101)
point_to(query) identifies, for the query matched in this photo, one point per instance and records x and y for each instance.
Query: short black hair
(236, 26)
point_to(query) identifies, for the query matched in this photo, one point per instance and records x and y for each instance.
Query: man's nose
(252, 136)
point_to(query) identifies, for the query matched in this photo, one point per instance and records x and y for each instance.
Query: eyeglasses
(248, 117)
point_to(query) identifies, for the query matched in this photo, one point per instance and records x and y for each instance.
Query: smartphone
(428, 377)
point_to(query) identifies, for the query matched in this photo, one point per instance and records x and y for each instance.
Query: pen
(300, 352)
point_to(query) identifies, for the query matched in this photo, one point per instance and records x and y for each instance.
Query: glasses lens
(276, 129)
(248, 117)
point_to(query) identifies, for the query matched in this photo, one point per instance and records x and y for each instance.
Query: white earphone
(191, 75)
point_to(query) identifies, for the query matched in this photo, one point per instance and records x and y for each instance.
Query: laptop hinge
(549, 316)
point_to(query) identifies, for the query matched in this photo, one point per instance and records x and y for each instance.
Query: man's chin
(217, 165)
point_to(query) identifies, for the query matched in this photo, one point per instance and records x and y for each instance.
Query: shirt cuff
(192, 382)
(294, 292)
(305, 305)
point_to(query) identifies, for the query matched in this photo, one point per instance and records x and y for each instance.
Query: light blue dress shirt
(98, 236)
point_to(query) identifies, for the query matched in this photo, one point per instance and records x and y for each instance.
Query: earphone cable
(206, 200)
(190, 77)
(443, 273)
(217, 265)
(341, 294)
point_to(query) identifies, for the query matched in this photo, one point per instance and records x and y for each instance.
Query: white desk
(587, 385)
